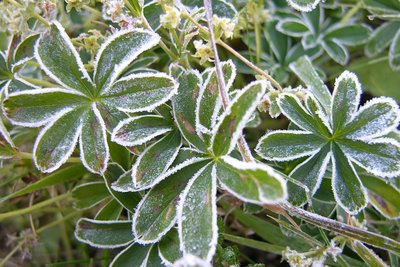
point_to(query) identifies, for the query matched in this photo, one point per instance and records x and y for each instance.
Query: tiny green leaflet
(83, 107)
(345, 136)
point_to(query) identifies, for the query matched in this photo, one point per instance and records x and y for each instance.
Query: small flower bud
(203, 51)
(171, 18)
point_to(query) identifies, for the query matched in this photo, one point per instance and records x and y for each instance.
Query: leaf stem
(26, 155)
(40, 82)
(254, 244)
(351, 12)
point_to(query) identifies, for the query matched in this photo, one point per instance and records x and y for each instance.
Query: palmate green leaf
(304, 69)
(197, 215)
(56, 142)
(110, 62)
(168, 248)
(59, 59)
(303, 5)
(156, 212)
(350, 35)
(347, 187)
(381, 38)
(234, 119)
(140, 92)
(110, 211)
(394, 53)
(184, 106)
(251, 182)
(89, 195)
(104, 234)
(138, 130)
(34, 108)
(111, 116)
(155, 160)
(136, 255)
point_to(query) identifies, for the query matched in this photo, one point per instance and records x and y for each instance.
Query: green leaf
(234, 119)
(136, 255)
(345, 100)
(104, 234)
(367, 255)
(5, 137)
(278, 41)
(117, 52)
(110, 211)
(124, 183)
(379, 157)
(140, 92)
(304, 69)
(25, 49)
(138, 130)
(152, 12)
(348, 35)
(221, 8)
(184, 106)
(251, 182)
(292, 27)
(56, 142)
(287, 145)
(89, 195)
(336, 51)
(156, 212)
(4, 71)
(303, 5)
(197, 215)
(209, 102)
(17, 85)
(93, 142)
(34, 108)
(383, 196)
(58, 58)
(381, 38)
(310, 174)
(155, 160)
(59, 177)
(381, 7)
(168, 248)
(394, 53)
(111, 116)
(347, 187)
(376, 118)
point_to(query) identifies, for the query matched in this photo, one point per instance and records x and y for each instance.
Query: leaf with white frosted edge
(292, 27)
(17, 84)
(383, 196)
(367, 254)
(318, 113)
(118, 51)
(124, 183)
(184, 106)
(309, 173)
(336, 51)
(351, 35)
(93, 142)
(345, 100)
(4, 134)
(155, 160)
(292, 108)
(168, 248)
(4, 71)
(394, 53)
(138, 130)
(125, 198)
(6, 150)
(303, 5)
(376, 118)
(235, 117)
(136, 255)
(381, 38)
(156, 212)
(104, 234)
(25, 48)
(251, 182)
(380, 157)
(140, 92)
(347, 187)
(197, 215)
(57, 56)
(288, 145)
(111, 116)
(111, 211)
(89, 195)
(34, 108)
(304, 69)
(209, 101)
(56, 142)
(221, 8)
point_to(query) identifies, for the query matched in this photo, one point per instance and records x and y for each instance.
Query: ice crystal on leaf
(84, 108)
(344, 135)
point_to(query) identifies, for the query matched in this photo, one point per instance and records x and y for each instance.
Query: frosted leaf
(394, 53)
(381, 38)
(292, 27)
(155, 160)
(89, 195)
(337, 51)
(221, 8)
(288, 145)
(168, 248)
(93, 142)
(303, 5)
(17, 84)
(197, 215)
(139, 254)
(56, 142)
(104, 234)
(138, 130)
(140, 92)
